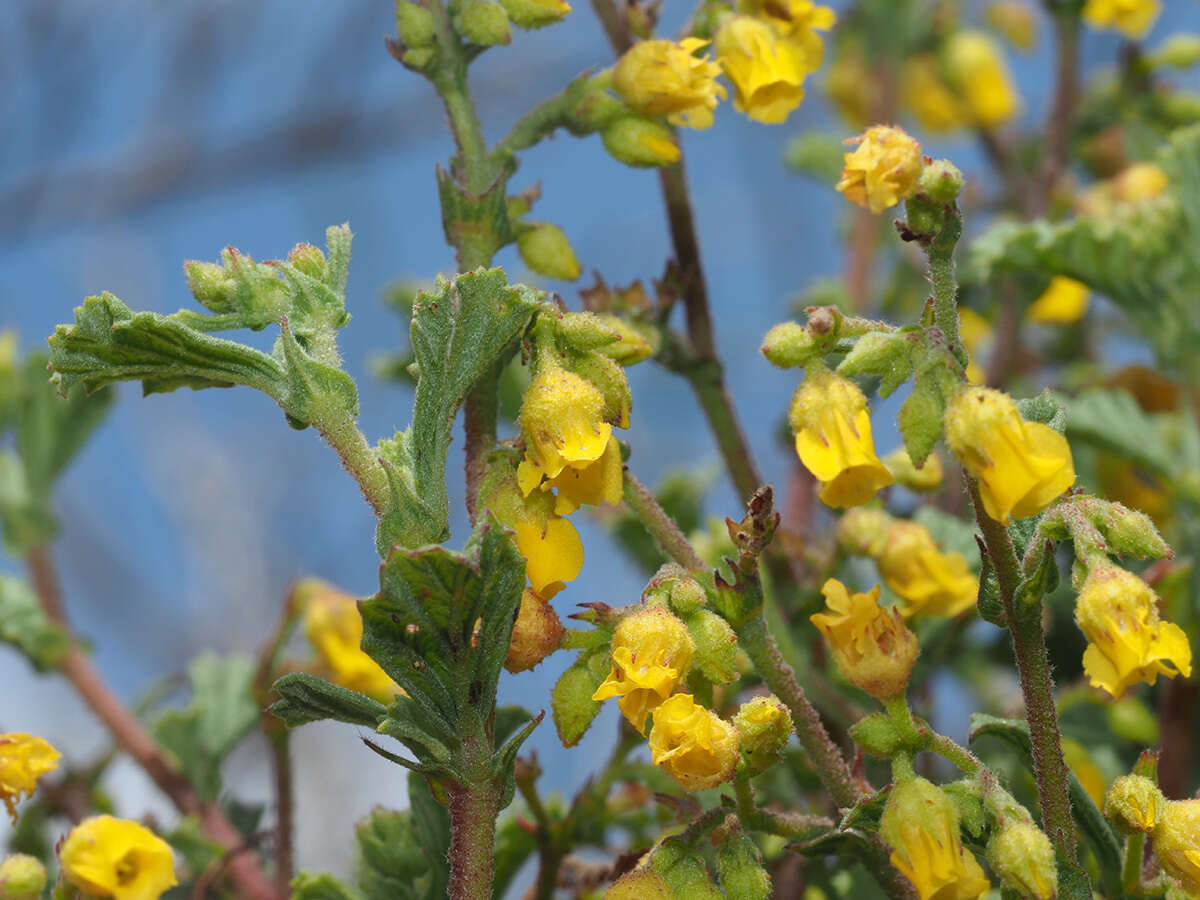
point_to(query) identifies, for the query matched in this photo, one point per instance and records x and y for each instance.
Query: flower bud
(1022, 466)
(740, 869)
(642, 143)
(1128, 532)
(687, 595)
(883, 170)
(651, 653)
(872, 646)
(632, 345)
(878, 735)
(1023, 858)
(861, 531)
(716, 646)
(536, 634)
(693, 745)
(309, 260)
(211, 285)
(788, 345)
(531, 14)
(414, 24)
(664, 78)
(1134, 803)
(1181, 51)
(22, 878)
(926, 478)
(545, 249)
(941, 181)
(640, 884)
(763, 726)
(482, 22)
(1177, 843)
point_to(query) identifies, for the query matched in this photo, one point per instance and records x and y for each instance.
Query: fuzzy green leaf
(1113, 421)
(571, 702)
(459, 331)
(306, 698)
(402, 855)
(26, 627)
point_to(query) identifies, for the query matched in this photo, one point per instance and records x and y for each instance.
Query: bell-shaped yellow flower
(833, 439)
(1063, 302)
(883, 170)
(562, 417)
(767, 70)
(1128, 642)
(920, 824)
(798, 21)
(930, 582)
(108, 857)
(1022, 466)
(977, 68)
(664, 78)
(651, 653)
(1177, 843)
(1132, 18)
(694, 745)
(872, 646)
(597, 482)
(24, 758)
(334, 627)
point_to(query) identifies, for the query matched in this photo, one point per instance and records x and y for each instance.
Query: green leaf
(571, 702)
(1113, 421)
(440, 627)
(310, 886)
(403, 854)
(920, 417)
(221, 713)
(26, 627)
(459, 331)
(306, 698)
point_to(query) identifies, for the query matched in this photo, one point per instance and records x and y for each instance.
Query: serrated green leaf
(393, 862)
(459, 331)
(440, 627)
(311, 886)
(25, 626)
(1113, 421)
(306, 698)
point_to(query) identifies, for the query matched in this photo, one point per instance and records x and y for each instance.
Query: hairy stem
(642, 503)
(1037, 685)
(941, 273)
(473, 812)
(244, 868)
(358, 457)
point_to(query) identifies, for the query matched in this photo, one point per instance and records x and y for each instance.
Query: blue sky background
(188, 514)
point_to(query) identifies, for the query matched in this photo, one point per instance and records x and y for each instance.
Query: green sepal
(888, 355)
(965, 795)
(684, 870)
(1042, 580)
(306, 698)
(990, 604)
(25, 626)
(316, 392)
(459, 331)
(221, 712)
(1044, 408)
(478, 225)
(920, 416)
(571, 703)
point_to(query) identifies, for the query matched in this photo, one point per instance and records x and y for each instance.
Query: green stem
(1037, 685)
(941, 273)
(901, 715)
(823, 754)
(708, 383)
(473, 811)
(1131, 872)
(642, 503)
(358, 456)
(951, 750)
(536, 124)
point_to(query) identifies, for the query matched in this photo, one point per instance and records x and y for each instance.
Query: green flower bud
(633, 345)
(640, 884)
(887, 354)
(211, 285)
(763, 726)
(414, 24)
(545, 249)
(482, 22)
(1023, 858)
(642, 143)
(1131, 719)
(716, 646)
(535, 13)
(941, 181)
(687, 595)
(1134, 803)
(740, 869)
(788, 345)
(589, 331)
(309, 260)
(1180, 51)
(923, 216)
(877, 734)
(1127, 532)
(682, 867)
(610, 379)
(22, 878)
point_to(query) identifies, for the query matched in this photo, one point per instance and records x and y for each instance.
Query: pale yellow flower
(930, 582)
(1132, 18)
(334, 626)
(882, 170)
(924, 91)
(872, 646)
(601, 481)
(693, 745)
(1063, 302)
(977, 67)
(109, 857)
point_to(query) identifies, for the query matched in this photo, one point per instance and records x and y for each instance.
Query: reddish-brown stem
(244, 869)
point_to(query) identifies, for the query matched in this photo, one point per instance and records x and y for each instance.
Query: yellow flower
(1022, 466)
(538, 631)
(597, 482)
(117, 858)
(1132, 18)
(663, 78)
(763, 725)
(1138, 182)
(920, 824)
(1134, 803)
(883, 170)
(1015, 20)
(767, 71)
(335, 629)
(1177, 843)
(926, 478)
(694, 745)
(930, 582)
(24, 758)
(974, 331)
(798, 21)
(872, 646)
(1064, 301)
(977, 67)
(552, 549)
(1118, 612)
(833, 439)
(651, 652)
(562, 417)
(925, 92)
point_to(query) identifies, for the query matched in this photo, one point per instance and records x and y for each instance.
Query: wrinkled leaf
(306, 698)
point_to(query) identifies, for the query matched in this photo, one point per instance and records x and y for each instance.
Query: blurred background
(142, 134)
